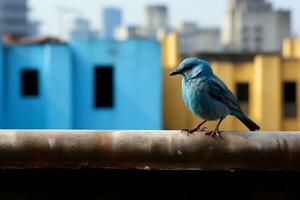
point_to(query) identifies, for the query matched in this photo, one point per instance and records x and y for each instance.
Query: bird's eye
(191, 65)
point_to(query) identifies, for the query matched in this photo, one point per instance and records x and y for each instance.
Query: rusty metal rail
(163, 150)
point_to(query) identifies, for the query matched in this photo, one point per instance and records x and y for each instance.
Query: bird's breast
(201, 103)
(193, 94)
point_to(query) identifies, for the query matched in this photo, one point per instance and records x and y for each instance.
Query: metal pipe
(160, 150)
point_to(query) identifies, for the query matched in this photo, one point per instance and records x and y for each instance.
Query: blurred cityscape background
(104, 65)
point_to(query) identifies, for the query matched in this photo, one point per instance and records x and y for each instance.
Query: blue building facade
(38, 87)
(88, 84)
(133, 76)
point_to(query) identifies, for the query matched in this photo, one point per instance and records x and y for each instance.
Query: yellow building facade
(268, 87)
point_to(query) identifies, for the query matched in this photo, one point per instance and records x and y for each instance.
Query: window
(258, 29)
(30, 82)
(245, 29)
(245, 39)
(258, 40)
(258, 43)
(103, 86)
(242, 90)
(246, 49)
(289, 103)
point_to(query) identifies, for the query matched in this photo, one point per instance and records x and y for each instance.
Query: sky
(205, 13)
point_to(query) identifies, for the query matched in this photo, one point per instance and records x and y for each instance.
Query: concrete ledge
(159, 150)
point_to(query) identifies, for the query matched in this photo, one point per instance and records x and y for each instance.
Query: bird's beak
(175, 72)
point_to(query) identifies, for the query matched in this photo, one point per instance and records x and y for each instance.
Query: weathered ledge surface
(158, 150)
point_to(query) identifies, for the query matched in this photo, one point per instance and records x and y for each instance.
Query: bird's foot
(189, 131)
(214, 133)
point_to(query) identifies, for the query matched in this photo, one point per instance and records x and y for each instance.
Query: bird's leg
(190, 131)
(215, 132)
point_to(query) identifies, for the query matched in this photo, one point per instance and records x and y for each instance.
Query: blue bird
(207, 96)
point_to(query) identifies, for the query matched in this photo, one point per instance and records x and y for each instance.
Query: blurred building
(13, 17)
(111, 19)
(38, 86)
(255, 26)
(34, 28)
(82, 29)
(267, 86)
(130, 32)
(117, 84)
(195, 39)
(87, 84)
(156, 21)
(156, 25)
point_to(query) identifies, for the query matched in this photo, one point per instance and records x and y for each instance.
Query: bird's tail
(252, 126)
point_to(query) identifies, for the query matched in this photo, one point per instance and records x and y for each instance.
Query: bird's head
(193, 67)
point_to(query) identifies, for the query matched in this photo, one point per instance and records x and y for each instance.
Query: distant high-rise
(194, 39)
(13, 17)
(254, 26)
(34, 27)
(111, 18)
(131, 32)
(157, 20)
(82, 29)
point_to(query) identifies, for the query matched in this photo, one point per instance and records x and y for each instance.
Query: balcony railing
(157, 150)
(70, 164)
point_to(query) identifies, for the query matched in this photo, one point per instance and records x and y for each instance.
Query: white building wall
(200, 40)
(156, 17)
(156, 21)
(284, 24)
(253, 26)
(226, 35)
(258, 35)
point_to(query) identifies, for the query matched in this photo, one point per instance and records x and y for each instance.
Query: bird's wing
(219, 91)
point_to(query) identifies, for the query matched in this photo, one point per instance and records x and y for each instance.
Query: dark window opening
(245, 39)
(245, 29)
(258, 29)
(242, 90)
(258, 39)
(289, 104)
(30, 82)
(103, 86)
